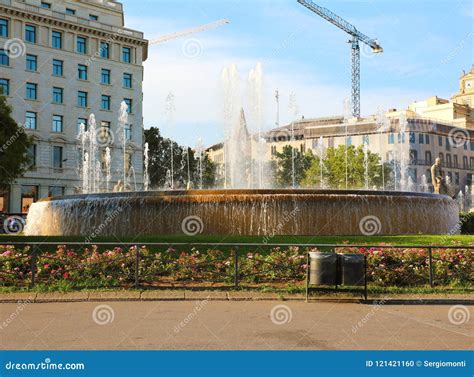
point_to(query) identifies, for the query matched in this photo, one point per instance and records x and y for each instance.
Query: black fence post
(236, 267)
(365, 276)
(307, 275)
(430, 258)
(34, 255)
(137, 268)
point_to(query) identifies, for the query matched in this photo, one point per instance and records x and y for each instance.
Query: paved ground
(266, 325)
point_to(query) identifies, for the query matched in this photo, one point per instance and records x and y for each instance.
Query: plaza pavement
(205, 324)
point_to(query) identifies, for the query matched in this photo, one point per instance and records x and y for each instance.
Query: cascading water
(200, 152)
(366, 166)
(169, 114)
(403, 151)
(256, 106)
(236, 139)
(146, 162)
(123, 120)
(383, 126)
(293, 110)
(108, 169)
(321, 153)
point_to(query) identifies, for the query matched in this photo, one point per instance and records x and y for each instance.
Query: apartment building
(61, 61)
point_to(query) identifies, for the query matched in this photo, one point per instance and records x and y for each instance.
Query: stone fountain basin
(244, 212)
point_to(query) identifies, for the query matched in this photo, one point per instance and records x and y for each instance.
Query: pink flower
(66, 275)
(46, 266)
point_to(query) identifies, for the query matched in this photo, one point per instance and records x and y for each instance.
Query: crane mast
(355, 37)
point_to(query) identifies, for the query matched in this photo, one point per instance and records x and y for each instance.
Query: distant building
(434, 128)
(60, 61)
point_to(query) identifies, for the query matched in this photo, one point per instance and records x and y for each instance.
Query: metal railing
(233, 257)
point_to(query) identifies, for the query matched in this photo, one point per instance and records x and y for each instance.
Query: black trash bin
(352, 269)
(322, 268)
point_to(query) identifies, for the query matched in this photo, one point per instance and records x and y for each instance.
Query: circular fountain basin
(244, 212)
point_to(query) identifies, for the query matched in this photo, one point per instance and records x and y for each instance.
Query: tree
(283, 166)
(159, 168)
(14, 147)
(334, 169)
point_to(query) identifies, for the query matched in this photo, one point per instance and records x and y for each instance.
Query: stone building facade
(61, 61)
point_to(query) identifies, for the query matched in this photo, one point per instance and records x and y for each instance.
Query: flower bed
(91, 268)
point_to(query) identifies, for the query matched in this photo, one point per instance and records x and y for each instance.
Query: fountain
(239, 209)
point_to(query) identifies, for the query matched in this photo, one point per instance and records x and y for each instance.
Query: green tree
(334, 169)
(14, 146)
(160, 163)
(282, 166)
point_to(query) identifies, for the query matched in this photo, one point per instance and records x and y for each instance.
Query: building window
(471, 162)
(93, 17)
(427, 139)
(81, 45)
(70, 11)
(57, 123)
(105, 102)
(126, 54)
(45, 5)
(104, 50)
(428, 157)
(456, 179)
(29, 195)
(82, 72)
(440, 141)
(448, 144)
(401, 138)
(464, 162)
(57, 95)
(31, 120)
(82, 99)
(58, 68)
(465, 145)
(57, 39)
(128, 131)
(441, 157)
(3, 27)
(391, 138)
(55, 191)
(57, 157)
(127, 80)
(472, 145)
(32, 63)
(105, 76)
(413, 156)
(412, 137)
(31, 153)
(30, 33)
(5, 87)
(4, 58)
(79, 122)
(455, 161)
(129, 103)
(421, 138)
(31, 91)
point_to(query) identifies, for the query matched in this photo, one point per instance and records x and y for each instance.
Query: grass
(409, 240)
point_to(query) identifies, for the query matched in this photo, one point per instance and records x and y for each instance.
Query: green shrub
(467, 222)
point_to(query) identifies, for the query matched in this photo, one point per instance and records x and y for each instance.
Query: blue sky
(426, 44)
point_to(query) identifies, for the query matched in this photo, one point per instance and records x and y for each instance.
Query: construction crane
(356, 37)
(190, 31)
